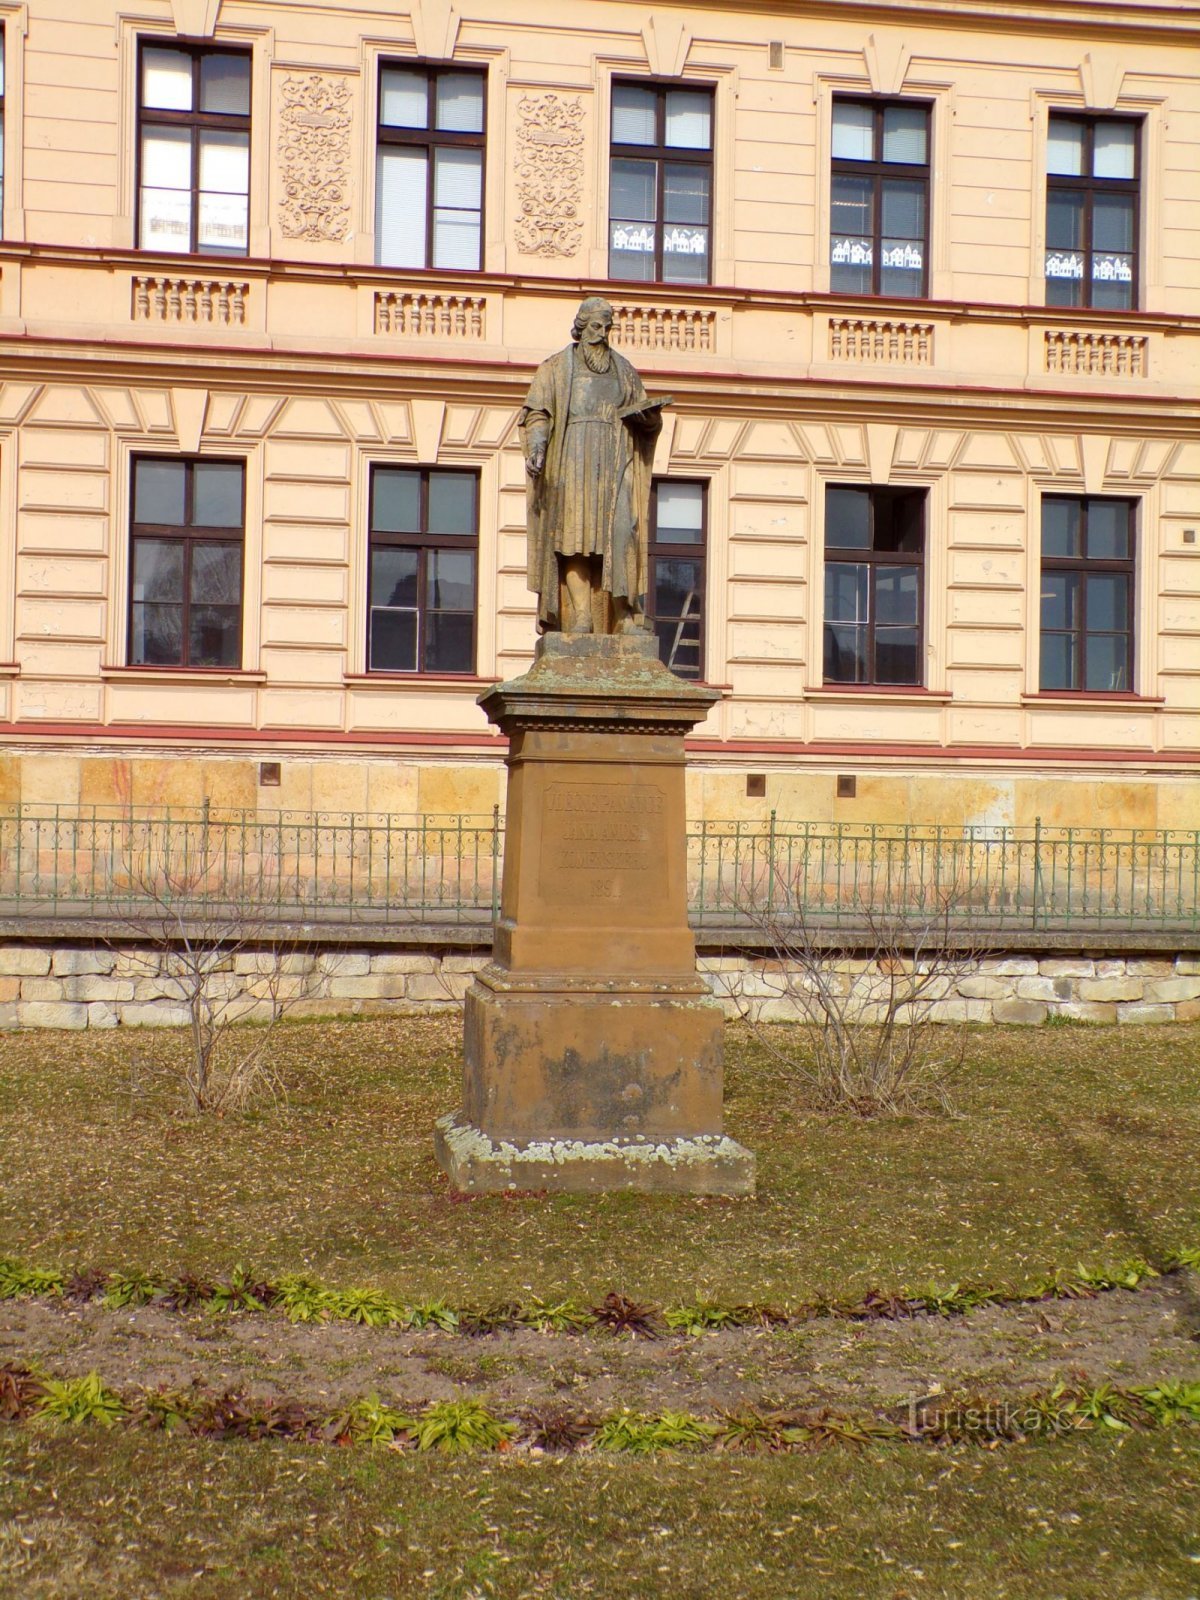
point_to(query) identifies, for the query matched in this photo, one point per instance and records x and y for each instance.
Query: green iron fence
(345, 867)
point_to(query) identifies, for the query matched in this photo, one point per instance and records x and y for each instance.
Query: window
(675, 604)
(660, 185)
(1087, 594)
(879, 214)
(874, 560)
(186, 563)
(194, 150)
(421, 590)
(1091, 212)
(429, 172)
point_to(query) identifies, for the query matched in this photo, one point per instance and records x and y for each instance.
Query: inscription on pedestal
(597, 834)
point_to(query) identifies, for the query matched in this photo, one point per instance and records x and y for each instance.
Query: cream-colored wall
(313, 364)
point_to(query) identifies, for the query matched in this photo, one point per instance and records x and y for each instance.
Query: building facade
(923, 282)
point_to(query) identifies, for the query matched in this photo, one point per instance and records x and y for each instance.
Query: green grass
(1072, 1145)
(1089, 1519)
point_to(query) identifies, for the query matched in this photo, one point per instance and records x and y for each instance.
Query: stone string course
(54, 986)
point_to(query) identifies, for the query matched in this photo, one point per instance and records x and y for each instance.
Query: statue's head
(593, 321)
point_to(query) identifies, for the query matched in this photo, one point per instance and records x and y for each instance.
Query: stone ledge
(710, 1164)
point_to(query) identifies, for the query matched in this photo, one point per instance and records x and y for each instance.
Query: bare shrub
(196, 933)
(885, 1031)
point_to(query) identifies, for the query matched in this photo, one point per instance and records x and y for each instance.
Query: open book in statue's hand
(646, 415)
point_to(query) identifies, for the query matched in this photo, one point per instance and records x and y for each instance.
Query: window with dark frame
(675, 602)
(1087, 594)
(193, 150)
(185, 563)
(660, 184)
(874, 583)
(1092, 168)
(424, 543)
(429, 167)
(879, 203)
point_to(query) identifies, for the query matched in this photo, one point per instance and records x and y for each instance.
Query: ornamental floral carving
(549, 175)
(314, 158)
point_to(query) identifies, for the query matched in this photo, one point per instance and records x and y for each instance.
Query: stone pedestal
(593, 1049)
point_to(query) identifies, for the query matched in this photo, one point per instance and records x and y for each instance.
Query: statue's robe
(591, 498)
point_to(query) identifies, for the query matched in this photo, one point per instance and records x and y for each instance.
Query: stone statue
(588, 431)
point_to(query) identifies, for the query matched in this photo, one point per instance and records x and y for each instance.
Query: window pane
(846, 591)
(633, 114)
(853, 131)
(689, 119)
(901, 267)
(845, 653)
(904, 130)
(1060, 527)
(158, 570)
(396, 506)
(1112, 282)
(400, 199)
(685, 255)
(403, 98)
(456, 240)
(679, 645)
(450, 580)
(165, 221)
(1107, 600)
(899, 523)
(166, 80)
(450, 641)
(157, 635)
(457, 179)
(225, 84)
(632, 197)
(215, 636)
(1113, 150)
(1112, 222)
(903, 210)
(677, 586)
(1060, 595)
(1064, 221)
(895, 595)
(452, 502)
(158, 492)
(631, 251)
(393, 576)
(1108, 530)
(216, 573)
(224, 162)
(393, 640)
(167, 158)
(1064, 278)
(216, 495)
(853, 209)
(1106, 662)
(1058, 661)
(680, 513)
(458, 104)
(1064, 148)
(223, 224)
(685, 193)
(848, 518)
(896, 656)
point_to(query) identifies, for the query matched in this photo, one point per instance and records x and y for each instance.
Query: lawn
(1072, 1143)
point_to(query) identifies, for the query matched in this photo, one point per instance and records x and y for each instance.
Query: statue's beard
(598, 357)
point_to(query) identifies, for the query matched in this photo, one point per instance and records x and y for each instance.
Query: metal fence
(344, 867)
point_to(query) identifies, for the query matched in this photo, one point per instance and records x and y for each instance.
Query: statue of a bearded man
(588, 431)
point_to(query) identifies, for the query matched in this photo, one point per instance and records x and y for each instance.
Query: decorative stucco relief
(549, 174)
(314, 158)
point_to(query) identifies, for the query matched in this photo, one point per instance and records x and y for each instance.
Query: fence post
(770, 860)
(1037, 866)
(495, 864)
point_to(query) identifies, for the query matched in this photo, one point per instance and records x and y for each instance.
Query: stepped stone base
(711, 1164)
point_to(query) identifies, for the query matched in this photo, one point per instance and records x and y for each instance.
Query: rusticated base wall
(50, 985)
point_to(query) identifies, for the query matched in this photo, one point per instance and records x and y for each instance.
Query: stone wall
(52, 985)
